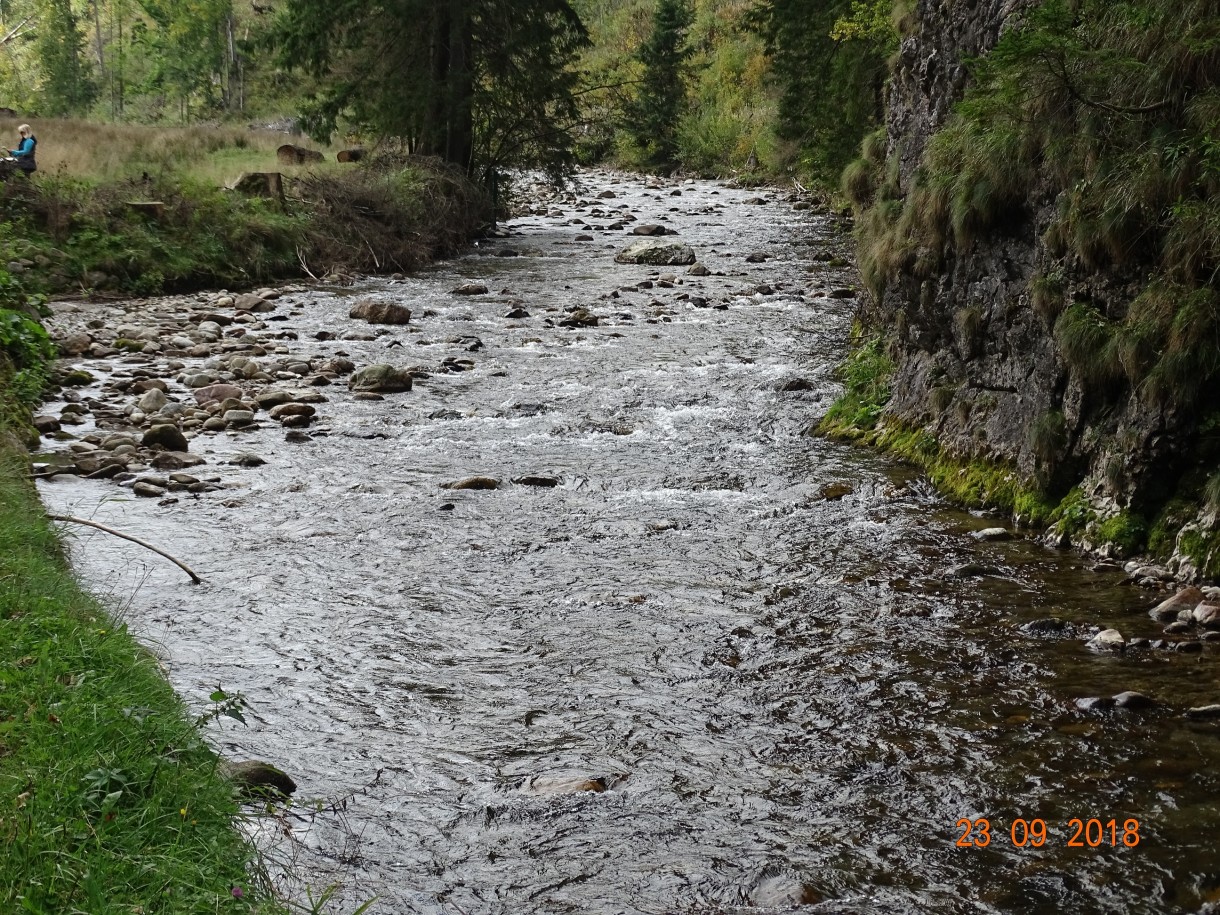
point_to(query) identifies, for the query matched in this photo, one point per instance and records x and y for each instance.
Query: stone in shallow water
(473, 483)
(532, 480)
(1170, 609)
(255, 778)
(1108, 640)
(655, 252)
(381, 378)
(1130, 699)
(165, 436)
(380, 312)
(992, 533)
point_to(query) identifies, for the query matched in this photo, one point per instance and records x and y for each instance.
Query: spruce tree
(483, 84)
(659, 104)
(68, 86)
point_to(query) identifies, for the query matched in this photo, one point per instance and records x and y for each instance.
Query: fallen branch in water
(195, 579)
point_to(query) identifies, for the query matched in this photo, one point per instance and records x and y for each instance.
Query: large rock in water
(165, 436)
(656, 252)
(381, 378)
(380, 312)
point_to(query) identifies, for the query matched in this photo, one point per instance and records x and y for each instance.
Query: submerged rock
(255, 778)
(473, 483)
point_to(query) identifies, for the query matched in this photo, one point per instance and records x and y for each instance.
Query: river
(722, 666)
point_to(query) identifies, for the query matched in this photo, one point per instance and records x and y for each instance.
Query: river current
(722, 666)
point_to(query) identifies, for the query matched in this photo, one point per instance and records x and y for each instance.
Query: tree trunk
(459, 138)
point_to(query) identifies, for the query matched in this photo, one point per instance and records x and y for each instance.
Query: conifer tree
(481, 83)
(654, 114)
(68, 87)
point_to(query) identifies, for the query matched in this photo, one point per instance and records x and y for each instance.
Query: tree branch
(195, 579)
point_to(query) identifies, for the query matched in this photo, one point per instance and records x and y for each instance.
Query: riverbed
(685, 656)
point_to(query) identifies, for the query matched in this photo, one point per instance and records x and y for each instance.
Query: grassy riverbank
(110, 802)
(109, 799)
(150, 213)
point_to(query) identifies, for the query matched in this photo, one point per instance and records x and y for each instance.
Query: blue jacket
(24, 153)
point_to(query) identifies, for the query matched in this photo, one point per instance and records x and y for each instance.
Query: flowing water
(723, 665)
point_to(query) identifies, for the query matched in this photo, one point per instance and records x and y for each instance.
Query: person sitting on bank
(24, 153)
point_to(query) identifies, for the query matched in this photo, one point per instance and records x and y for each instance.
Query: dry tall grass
(114, 151)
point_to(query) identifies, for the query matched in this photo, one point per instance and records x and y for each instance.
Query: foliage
(652, 117)
(483, 84)
(865, 375)
(729, 105)
(67, 85)
(25, 354)
(831, 85)
(1112, 111)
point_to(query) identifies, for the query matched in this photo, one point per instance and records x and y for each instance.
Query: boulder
(166, 436)
(76, 344)
(254, 778)
(215, 393)
(381, 378)
(290, 154)
(253, 303)
(1172, 608)
(470, 289)
(176, 460)
(380, 312)
(1108, 640)
(656, 253)
(291, 409)
(152, 400)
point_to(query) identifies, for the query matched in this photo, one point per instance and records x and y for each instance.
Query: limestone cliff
(1027, 283)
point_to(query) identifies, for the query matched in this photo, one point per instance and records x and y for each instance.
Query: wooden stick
(195, 579)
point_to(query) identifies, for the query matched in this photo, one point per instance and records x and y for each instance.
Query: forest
(768, 87)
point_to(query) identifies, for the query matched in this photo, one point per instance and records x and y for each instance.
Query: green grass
(110, 802)
(82, 234)
(865, 375)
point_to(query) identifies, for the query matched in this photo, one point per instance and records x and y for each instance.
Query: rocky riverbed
(534, 578)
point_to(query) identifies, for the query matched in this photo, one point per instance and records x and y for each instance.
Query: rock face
(656, 253)
(976, 358)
